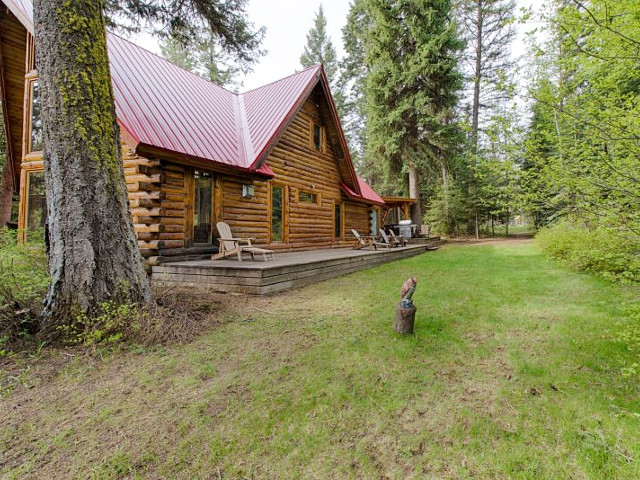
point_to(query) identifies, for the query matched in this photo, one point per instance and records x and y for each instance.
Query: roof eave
(199, 162)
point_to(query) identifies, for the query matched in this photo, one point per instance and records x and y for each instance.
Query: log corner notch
(405, 310)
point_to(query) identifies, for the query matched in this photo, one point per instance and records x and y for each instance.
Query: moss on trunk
(93, 250)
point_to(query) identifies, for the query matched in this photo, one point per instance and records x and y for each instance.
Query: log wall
(298, 167)
(13, 48)
(161, 193)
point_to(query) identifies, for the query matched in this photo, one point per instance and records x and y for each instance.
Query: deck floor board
(288, 270)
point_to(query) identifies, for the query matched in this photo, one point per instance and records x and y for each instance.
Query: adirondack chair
(391, 241)
(233, 246)
(399, 239)
(366, 241)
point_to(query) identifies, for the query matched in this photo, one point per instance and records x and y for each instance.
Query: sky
(288, 22)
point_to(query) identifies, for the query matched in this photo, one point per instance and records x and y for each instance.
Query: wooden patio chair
(363, 241)
(399, 239)
(392, 241)
(234, 246)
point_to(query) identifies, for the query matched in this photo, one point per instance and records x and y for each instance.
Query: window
(373, 216)
(36, 135)
(307, 197)
(317, 137)
(277, 213)
(36, 207)
(337, 220)
(203, 208)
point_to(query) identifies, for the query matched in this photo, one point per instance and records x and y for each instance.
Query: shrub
(23, 284)
(176, 316)
(608, 252)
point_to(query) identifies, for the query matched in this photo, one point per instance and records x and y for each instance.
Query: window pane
(36, 120)
(337, 227)
(276, 214)
(374, 222)
(36, 207)
(307, 197)
(316, 137)
(202, 210)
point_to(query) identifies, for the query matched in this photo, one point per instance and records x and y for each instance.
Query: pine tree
(320, 49)
(204, 57)
(411, 86)
(93, 250)
(487, 26)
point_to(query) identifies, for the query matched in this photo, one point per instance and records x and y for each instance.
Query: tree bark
(475, 109)
(414, 192)
(93, 250)
(405, 318)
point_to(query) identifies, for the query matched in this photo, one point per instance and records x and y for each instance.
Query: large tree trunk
(93, 250)
(414, 192)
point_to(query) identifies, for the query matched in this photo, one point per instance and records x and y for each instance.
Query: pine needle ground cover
(516, 370)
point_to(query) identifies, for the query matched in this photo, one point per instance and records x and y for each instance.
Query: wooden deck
(288, 270)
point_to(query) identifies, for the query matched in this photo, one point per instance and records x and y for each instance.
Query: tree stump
(404, 319)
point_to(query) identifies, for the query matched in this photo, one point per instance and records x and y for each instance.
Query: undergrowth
(610, 253)
(175, 315)
(23, 283)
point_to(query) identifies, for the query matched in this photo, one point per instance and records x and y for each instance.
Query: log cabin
(272, 162)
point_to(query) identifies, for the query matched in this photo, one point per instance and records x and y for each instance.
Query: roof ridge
(317, 65)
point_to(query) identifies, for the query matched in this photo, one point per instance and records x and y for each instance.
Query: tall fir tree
(93, 251)
(204, 57)
(319, 49)
(411, 88)
(487, 27)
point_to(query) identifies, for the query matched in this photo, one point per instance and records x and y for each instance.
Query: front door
(203, 208)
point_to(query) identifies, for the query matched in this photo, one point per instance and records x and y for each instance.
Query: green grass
(514, 372)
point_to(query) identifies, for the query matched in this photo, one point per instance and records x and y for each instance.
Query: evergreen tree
(320, 49)
(93, 250)
(353, 78)
(410, 51)
(205, 58)
(487, 27)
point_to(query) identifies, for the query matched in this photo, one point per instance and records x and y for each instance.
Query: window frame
(30, 78)
(317, 195)
(212, 234)
(23, 208)
(338, 205)
(312, 134)
(285, 212)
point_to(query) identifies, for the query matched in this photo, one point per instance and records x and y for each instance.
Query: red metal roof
(368, 193)
(163, 106)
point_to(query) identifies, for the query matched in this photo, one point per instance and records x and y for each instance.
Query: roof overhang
(264, 172)
(355, 196)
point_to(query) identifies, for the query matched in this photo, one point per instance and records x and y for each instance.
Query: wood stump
(404, 319)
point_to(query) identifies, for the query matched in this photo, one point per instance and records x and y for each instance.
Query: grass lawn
(514, 372)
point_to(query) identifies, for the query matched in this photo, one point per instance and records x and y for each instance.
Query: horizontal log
(156, 227)
(172, 236)
(155, 195)
(147, 212)
(140, 178)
